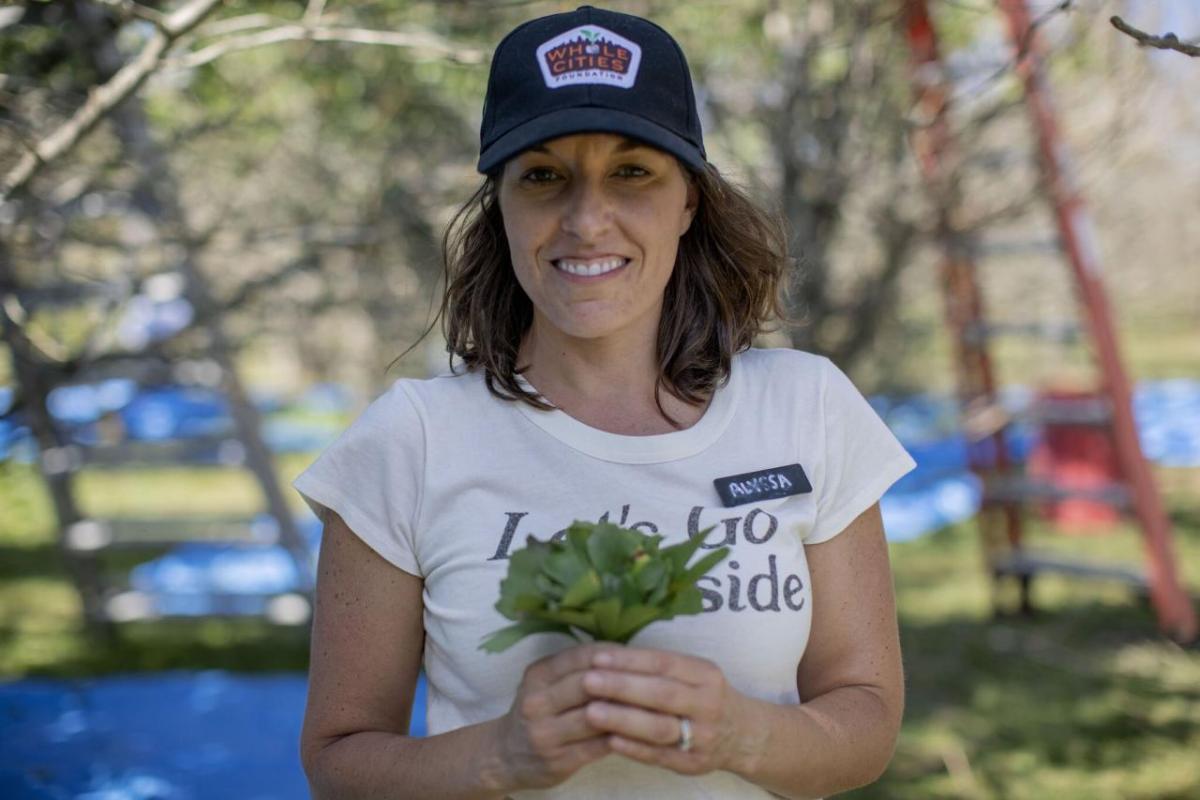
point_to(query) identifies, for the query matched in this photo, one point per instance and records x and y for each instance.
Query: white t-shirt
(444, 480)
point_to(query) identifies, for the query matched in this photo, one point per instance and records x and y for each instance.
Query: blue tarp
(162, 736)
(172, 413)
(183, 581)
(1168, 417)
(1167, 414)
(940, 492)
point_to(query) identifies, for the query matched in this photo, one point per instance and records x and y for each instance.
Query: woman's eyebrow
(631, 144)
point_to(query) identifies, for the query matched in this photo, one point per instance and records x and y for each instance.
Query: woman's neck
(603, 383)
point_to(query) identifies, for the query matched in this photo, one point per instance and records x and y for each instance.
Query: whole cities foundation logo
(589, 54)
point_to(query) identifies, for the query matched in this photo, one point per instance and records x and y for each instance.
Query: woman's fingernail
(603, 659)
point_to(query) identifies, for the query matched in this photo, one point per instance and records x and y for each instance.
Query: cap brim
(592, 119)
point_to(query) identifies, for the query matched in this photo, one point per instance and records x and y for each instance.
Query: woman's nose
(588, 211)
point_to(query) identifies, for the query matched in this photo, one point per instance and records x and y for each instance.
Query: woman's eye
(539, 175)
(632, 171)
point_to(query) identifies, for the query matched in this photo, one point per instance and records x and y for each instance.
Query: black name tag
(766, 484)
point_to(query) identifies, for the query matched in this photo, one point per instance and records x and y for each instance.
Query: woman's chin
(597, 328)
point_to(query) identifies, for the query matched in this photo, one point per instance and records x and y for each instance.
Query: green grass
(1083, 700)
(40, 629)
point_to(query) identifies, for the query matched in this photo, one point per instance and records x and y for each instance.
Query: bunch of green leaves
(601, 580)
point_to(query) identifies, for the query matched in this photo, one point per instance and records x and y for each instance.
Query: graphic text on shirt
(764, 592)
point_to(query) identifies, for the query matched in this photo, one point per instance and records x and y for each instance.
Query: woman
(604, 286)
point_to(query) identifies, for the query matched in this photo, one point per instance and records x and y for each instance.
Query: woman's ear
(692, 203)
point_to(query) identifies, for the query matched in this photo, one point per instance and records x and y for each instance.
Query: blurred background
(220, 228)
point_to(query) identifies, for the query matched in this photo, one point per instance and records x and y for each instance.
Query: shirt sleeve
(862, 456)
(372, 476)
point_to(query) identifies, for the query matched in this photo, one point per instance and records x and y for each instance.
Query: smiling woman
(593, 222)
(589, 191)
(604, 287)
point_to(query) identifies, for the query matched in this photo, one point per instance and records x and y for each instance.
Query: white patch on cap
(589, 54)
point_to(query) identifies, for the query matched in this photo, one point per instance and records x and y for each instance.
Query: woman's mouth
(589, 267)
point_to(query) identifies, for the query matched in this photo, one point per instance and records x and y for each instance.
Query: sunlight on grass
(1084, 700)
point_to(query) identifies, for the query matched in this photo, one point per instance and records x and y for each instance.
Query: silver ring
(685, 734)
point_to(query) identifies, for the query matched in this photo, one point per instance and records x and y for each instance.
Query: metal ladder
(984, 420)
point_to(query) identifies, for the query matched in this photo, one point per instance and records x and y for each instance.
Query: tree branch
(128, 8)
(170, 28)
(1167, 41)
(244, 22)
(104, 98)
(286, 33)
(312, 14)
(251, 289)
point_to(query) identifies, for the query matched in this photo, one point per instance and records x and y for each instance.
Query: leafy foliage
(601, 579)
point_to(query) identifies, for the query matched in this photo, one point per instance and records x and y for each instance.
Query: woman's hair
(723, 290)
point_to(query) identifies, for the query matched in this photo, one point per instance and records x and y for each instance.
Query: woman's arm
(851, 678)
(367, 643)
(850, 681)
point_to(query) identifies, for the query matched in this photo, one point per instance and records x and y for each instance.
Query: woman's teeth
(589, 268)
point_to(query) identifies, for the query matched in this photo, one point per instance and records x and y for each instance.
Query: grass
(1082, 700)
(40, 630)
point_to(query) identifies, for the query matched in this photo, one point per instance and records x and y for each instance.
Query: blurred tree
(228, 139)
(836, 120)
(156, 215)
(317, 151)
(811, 102)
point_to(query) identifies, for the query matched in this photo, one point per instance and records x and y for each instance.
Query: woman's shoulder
(438, 393)
(782, 363)
(784, 377)
(410, 405)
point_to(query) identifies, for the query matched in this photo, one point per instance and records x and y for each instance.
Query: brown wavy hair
(723, 291)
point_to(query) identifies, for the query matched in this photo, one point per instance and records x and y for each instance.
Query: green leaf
(528, 602)
(634, 619)
(501, 640)
(577, 538)
(528, 560)
(518, 582)
(516, 606)
(610, 547)
(610, 584)
(548, 587)
(629, 592)
(523, 568)
(608, 617)
(660, 591)
(680, 554)
(651, 575)
(687, 601)
(584, 620)
(565, 566)
(706, 563)
(601, 580)
(582, 591)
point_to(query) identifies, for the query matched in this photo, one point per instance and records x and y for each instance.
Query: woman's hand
(641, 696)
(546, 736)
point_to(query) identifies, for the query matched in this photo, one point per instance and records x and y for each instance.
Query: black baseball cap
(589, 70)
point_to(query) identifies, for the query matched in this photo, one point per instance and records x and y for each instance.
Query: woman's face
(593, 223)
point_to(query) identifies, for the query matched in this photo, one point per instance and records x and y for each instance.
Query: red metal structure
(983, 420)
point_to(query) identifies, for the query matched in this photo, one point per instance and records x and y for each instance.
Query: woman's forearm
(463, 764)
(835, 742)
